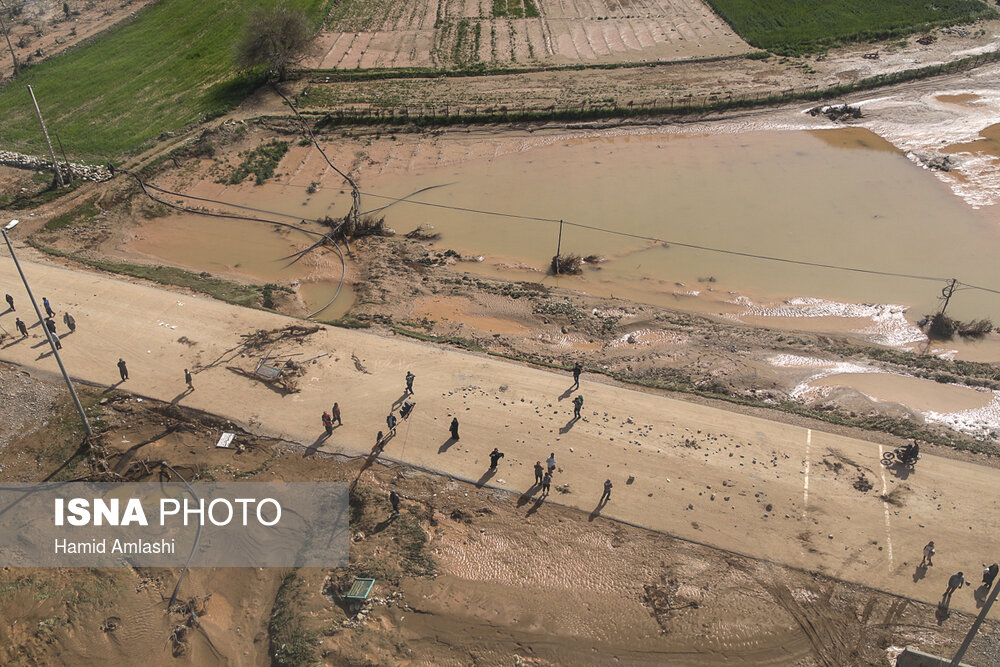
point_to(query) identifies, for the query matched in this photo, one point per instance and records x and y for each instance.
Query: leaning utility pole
(45, 330)
(957, 660)
(946, 293)
(52, 152)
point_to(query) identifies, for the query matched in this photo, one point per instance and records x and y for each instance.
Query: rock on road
(758, 487)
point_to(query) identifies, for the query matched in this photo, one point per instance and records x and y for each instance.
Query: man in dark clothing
(390, 422)
(327, 423)
(69, 321)
(123, 369)
(50, 324)
(394, 501)
(606, 496)
(409, 382)
(989, 574)
(955, 582)
(188, 379)
(48, 307)
(336, 414)
(378, 439)
(577, 369)
(577, 406)
(454, 428)
(539, 472)
(546, 480)
(10, 302)
(19, 323)
(495, 456)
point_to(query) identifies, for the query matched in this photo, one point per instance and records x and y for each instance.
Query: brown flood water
(247, 250)
(915, 393)
(841, 196)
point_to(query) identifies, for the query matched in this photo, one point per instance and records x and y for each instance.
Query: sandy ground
(462, 574)
(746, 484)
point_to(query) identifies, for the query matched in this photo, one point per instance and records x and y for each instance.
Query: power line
(681, 244)
(233, 216)
(694, 246)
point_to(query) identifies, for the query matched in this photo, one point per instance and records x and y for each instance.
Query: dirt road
(801, 497)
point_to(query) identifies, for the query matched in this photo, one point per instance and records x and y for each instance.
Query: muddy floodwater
(248, 250)
(915, 393)
(841, 197)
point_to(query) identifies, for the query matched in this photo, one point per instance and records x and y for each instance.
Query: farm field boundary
(792, 27)
(472, 115)
(172, 65)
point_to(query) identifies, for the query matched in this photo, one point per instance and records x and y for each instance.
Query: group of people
(957, 580)
(48, 321)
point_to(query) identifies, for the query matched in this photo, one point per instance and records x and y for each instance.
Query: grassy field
(170, 66)
(791, 27)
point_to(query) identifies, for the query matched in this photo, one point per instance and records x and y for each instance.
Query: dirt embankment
(423, 289)
(462, 574)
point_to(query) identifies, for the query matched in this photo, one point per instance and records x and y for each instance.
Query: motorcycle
(898, 456)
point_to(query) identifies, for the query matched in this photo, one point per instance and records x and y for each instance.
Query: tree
(274, 37)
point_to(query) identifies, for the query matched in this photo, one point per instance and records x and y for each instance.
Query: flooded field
(247, 250)
(839, 197)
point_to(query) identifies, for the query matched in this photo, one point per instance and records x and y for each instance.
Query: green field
(792, 27)
(169, 67)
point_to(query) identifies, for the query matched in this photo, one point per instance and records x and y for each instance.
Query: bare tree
(274, 37)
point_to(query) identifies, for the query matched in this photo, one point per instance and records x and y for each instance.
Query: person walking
(928, 554)
(539, 471)
(546, 481)
(955, 582)
(551, 462)
(990, 574)
(378, 439)
(390, 422)
(606, 496)
(48, 307)
(394, 501)
(454, 428)
(55, 339)
(19, 323)
(577, 369)
(327, 423)
(69, 321)
(495, 457)
(123, 369)
(188, 380)
(50, 324)
(336, 414)
(409, 382)
(10, 302)
(577, 406)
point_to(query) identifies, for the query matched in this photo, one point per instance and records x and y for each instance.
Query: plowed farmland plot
(464, 33)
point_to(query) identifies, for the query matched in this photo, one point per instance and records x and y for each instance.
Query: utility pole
(946, 293)
(957, 660)
(52, 152)
(558, 247)
(6, 34)
(45, 329)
